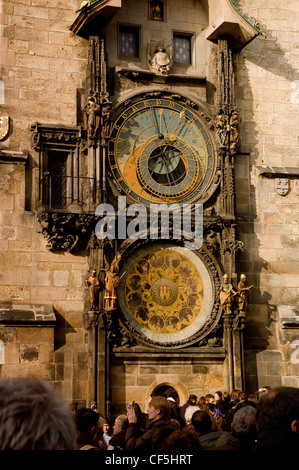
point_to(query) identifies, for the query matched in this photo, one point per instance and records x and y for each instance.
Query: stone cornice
(11, 156)
(34, 315)
(277, 171)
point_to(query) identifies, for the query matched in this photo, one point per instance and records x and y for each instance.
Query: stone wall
(267, 89)
(43, 71)
(43, 66)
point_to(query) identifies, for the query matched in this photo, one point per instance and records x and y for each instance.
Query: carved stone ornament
(282, 186)
(67, 232)
(4, 127)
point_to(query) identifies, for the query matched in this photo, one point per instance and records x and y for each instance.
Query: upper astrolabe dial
(161, 151)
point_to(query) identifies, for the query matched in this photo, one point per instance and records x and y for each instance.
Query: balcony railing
(59, 192)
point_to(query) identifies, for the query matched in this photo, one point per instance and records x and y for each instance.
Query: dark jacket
(234, 443)
(83, 440)
(277, 441)
(209, 439)
(118, 441)
(136, 440)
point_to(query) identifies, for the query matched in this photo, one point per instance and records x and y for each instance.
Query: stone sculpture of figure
(233, 130)
(221, 128)
(93, 283)
(227, 294)
(243, 293)
(92, 119)
(111, 283)
(105, 120)
(161, 61)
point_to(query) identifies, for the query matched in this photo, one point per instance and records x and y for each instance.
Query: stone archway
(164, 388)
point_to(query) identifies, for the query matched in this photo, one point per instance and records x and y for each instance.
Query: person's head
(189, 412)
(210, 408)
(120, 424)
(183, 440)
(107, 426)
(278, 410)
(235, 395)
(244, 395)
(33, 417)
(193, 399)
(201, 422)
(209, 398)
(159, 407)
(244, 422)
(86, 420)
(218, 396)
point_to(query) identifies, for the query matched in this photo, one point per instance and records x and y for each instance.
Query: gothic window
(54, 189)
(182, 48)
(128, 41)
(63, 179)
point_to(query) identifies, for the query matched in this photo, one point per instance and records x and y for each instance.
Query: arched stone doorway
(165, 390)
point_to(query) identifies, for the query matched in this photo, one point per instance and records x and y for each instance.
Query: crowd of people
(34, 417)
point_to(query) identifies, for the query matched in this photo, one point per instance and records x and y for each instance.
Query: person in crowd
(201, 403)
(86, 421)
(107, 430)
(218, 397)
(118, 440)
(234, 398)
(189, 413)
(183, 441)
(192, 400)
(244, 401)
(175, 409)
(33, 417)
(161, 434)
(209, 398)
(277, 420)
(159, 411)
(218, 400)
(98, 434)
(243, 434)
(202, 424)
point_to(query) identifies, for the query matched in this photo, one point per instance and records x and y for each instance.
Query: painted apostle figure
(111, 283)
(93, 283)
(227, 294)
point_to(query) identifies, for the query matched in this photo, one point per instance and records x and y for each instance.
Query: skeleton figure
(93, 283)
(92, 119)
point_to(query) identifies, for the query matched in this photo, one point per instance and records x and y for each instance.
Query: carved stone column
(228, 343)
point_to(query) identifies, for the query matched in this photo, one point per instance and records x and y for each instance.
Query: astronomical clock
(161, 128)
(162, 150)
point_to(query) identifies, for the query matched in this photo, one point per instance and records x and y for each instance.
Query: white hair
(189, 412)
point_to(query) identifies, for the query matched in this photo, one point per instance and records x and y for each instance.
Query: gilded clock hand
(160, 135)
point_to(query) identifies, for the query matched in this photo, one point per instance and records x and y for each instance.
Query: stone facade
(44, 80)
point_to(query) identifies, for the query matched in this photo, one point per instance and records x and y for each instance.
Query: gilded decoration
(164, 292)
(168, 294)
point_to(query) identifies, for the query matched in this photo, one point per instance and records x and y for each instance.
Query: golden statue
(227, 294)
(111, 283)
